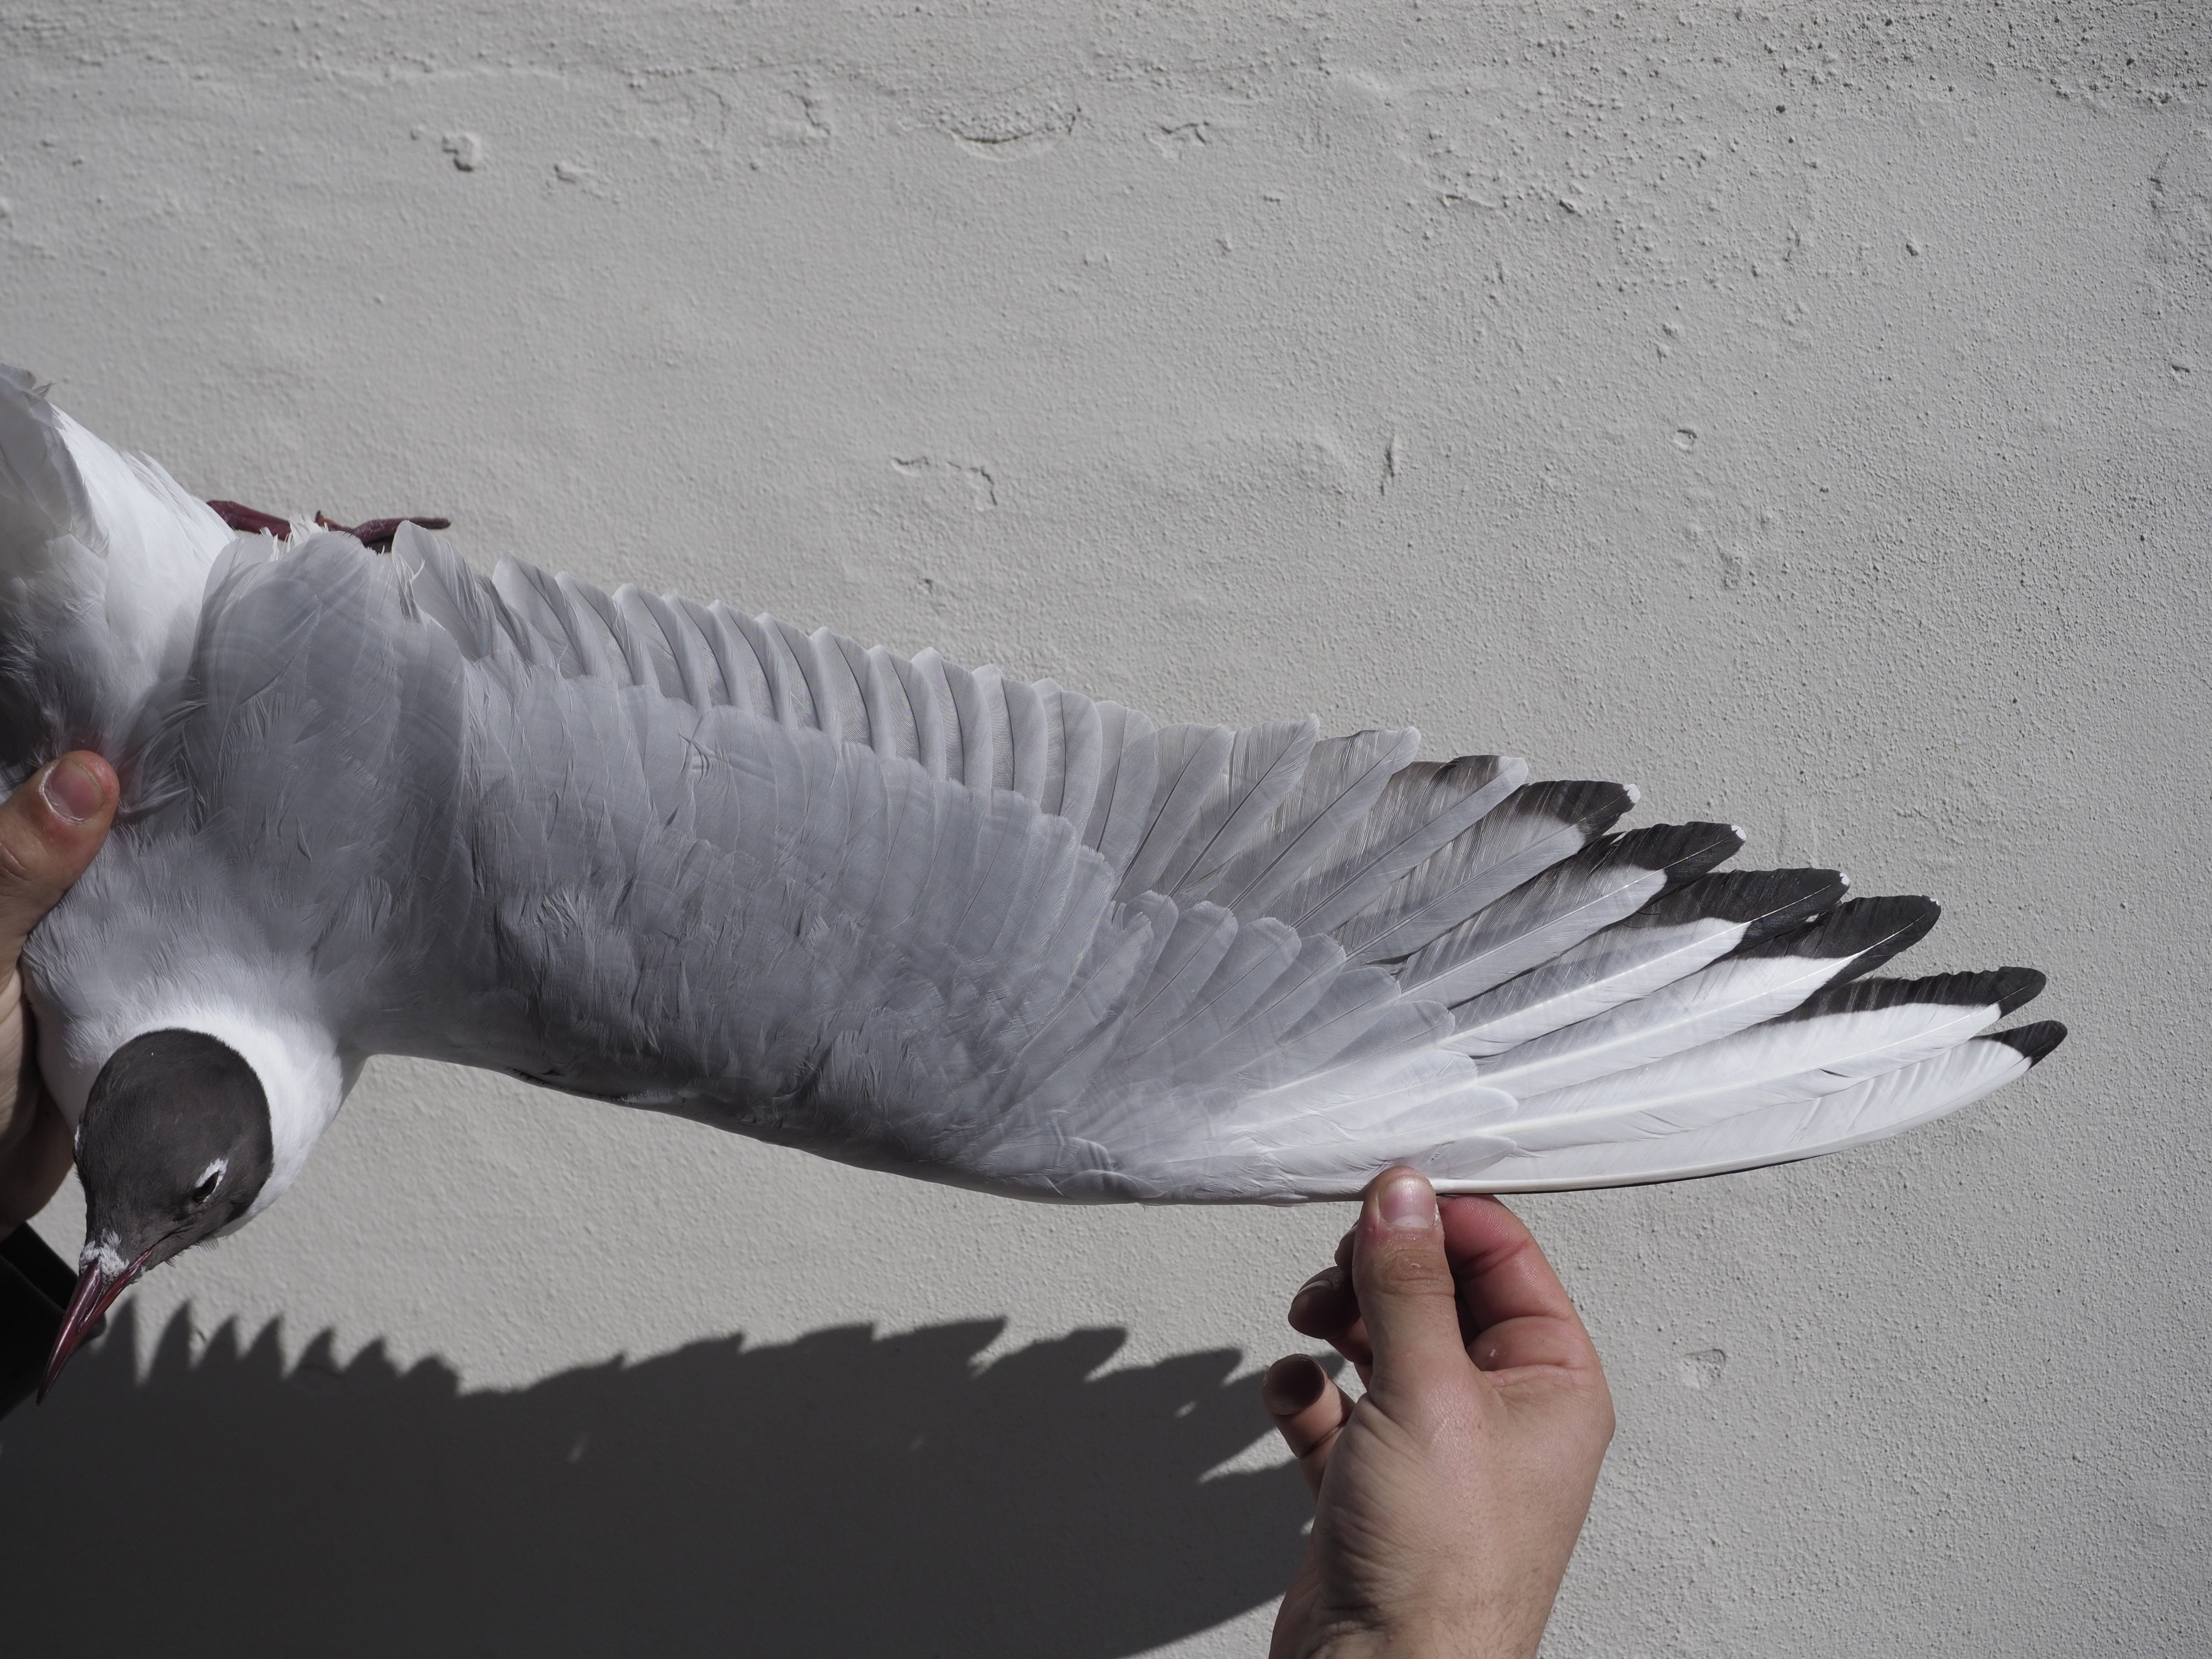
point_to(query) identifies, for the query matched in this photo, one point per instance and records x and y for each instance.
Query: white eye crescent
(211, 1178)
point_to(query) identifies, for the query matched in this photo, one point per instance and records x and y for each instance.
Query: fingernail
(73, 792)
(1408, 1202)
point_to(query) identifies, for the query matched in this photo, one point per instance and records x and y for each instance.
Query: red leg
(249, 520)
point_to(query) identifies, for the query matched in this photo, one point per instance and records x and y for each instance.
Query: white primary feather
(1745, 989)
(1557, 910)
(1827, 1047)
(1669, 940)
(1712, 1004)
(1869, 1110)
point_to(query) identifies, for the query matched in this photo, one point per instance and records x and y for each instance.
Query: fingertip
(54, 824)
(1309, 1411)
(1401, 1200)
(58, 820)
(78, 788)
(1324, 1304)
(49, 831)
(1292, 1384)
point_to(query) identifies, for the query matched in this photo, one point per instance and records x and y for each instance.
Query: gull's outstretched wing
(947, 922)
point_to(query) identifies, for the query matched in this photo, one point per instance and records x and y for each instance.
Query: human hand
(50, 829)
(1448, 1500)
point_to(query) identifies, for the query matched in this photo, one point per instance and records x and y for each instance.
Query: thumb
(50, 829)
(1408, 1298)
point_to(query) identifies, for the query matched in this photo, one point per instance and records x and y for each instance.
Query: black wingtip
(2017, 986)
(1592, 805)
(2006, 988)
(1862, 934)
(1768, 901)
(1682, 851)
(1894, 925)
(2036, 1040)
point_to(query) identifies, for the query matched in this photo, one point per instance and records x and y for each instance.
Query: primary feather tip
(2035, 1042)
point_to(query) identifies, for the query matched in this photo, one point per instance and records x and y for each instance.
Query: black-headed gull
(899, 913)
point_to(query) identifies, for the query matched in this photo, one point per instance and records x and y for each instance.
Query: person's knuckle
(1410, 1270)
(19, 866)
(28, 875)
(1593, 1404)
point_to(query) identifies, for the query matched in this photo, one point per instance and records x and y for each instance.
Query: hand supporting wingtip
(1448, 1501)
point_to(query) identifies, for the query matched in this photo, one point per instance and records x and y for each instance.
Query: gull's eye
(211, 1178)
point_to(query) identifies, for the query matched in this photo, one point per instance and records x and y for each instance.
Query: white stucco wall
(1806, 420)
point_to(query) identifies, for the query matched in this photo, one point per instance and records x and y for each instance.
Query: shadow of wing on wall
(846, 1494)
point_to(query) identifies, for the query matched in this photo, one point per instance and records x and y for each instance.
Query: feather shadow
(845, 1493)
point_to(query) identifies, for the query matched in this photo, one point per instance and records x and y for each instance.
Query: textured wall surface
(1810, 420)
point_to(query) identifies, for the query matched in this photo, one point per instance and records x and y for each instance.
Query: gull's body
(886, 909)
